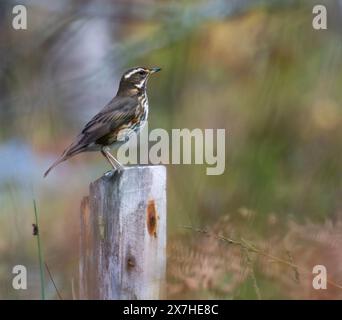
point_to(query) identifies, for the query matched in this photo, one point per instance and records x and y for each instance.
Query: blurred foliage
(255, 68)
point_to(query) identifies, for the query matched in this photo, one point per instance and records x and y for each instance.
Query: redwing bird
(112, 126)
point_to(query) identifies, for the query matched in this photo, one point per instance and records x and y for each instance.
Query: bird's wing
(118, 112)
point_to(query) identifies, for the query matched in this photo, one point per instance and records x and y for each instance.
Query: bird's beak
(154, 70)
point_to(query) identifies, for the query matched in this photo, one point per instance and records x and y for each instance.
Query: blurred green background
(256, 68)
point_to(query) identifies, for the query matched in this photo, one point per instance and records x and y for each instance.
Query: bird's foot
(111, 173)
(119, 167)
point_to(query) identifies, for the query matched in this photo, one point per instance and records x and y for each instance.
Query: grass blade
(40, 253)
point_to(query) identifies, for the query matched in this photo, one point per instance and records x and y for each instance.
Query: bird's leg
(105, 154)
(118, 165)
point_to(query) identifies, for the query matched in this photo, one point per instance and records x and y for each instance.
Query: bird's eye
(142, 73)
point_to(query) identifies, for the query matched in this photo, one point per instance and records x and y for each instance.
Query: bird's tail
(57, 162)
(75, 148)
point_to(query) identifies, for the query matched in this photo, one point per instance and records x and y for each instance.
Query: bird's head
(134, 80)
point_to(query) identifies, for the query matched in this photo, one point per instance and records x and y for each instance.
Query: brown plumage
(124, 114)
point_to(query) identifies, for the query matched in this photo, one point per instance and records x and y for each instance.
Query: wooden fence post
(123, 235)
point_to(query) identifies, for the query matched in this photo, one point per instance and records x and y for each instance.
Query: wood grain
(123, 235)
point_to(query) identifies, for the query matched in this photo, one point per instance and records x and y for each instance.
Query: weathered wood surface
(123, 236)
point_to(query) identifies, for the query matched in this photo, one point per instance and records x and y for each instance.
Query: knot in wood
(152, 218)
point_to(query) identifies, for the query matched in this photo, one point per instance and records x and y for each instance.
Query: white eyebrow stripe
(132, 72)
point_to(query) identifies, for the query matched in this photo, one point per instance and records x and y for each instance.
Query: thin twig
(250, 247)
(252, 273)
(53, 282)
(295, 270)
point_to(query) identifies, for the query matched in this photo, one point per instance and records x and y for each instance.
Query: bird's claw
(111, 173)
